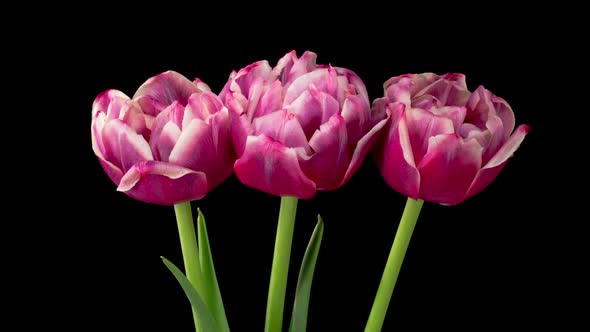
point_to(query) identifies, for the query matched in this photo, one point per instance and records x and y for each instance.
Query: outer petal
(357, 115)
(161, 90)
(395, 158)
(365, 144)
(163, 183)
(504, 112)
(448, 168)
(489, 172)
(327, 166)
(269, 166)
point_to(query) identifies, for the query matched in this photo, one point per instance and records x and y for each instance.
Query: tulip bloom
(444, 143)
(171, 143)
(299, 127)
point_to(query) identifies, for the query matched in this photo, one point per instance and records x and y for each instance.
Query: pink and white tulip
(444, 143)
(170, 143)
(299, 127)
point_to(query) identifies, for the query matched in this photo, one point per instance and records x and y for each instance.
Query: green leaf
(206, 320)
(302, 293)
(211, 293)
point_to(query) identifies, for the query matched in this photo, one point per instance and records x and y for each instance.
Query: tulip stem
(393, 265)
(280, 265)
(190, 250)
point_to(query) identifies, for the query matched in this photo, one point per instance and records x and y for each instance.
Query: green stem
(394, 263)
(190, 250)
(280, 265)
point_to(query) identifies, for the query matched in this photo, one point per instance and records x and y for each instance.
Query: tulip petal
(479, 107)
(357, 115)
(281, 126)
(305, 64)
(365, 144)
(163, 183)
(252, 77)
(171, 115)
(159, 91)
(504, 112)
(269, 166)
(240, 129)
(271, 100)
(324, 79)
(281, 71)
(194, 148)
(201, 85)
(201, 106)
(166, 141)
(448, 168)
(350, 84)
(123, 146)
(491, 170)
(395, 158)
(308, 111)
(421, 126)
(450, 90)
(328, 164)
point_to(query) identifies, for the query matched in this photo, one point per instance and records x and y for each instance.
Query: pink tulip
(444, 143)
(171, 143)
(299, 127)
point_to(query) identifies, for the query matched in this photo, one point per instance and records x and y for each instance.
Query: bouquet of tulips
(289, 131)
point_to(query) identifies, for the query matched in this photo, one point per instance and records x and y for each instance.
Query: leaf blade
(206, 320)
(304, 281)
(212, 294)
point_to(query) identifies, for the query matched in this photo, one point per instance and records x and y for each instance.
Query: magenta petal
(447, 92)
(201, 106)
(504, 112)
(251, 76)
(269, 166)
(330, 160)
(324, 79)
(448, 168)
(479, 107)
(364, 145)
(508, 149)
(123, 146)
(114, 173)
(271, 100)
(491, 170)
(395, 158)
(201, 85)
(421, 126)
(355, 86)
(357, 116)
(281, 126)
(308, 111)
(281, 71)
(163, 183)
(305, 64)
(398, 89)
(240, 129)
(172, 115)
(194, 148)
(161, 90)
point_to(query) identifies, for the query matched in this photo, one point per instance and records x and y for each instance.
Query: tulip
(444, 144)
(170, 143)
(299, 127)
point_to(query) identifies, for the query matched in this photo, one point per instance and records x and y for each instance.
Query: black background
(488, 262)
